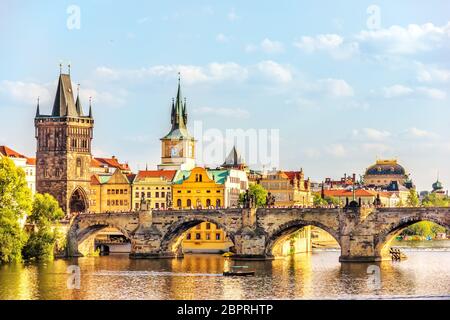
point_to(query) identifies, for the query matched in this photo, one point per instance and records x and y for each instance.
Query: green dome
(437, 186)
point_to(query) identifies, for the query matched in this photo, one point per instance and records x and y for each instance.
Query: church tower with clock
(63, 154)
(178, 146)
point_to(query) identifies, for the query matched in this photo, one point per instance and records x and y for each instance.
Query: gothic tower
(178, 146)
(63, 154)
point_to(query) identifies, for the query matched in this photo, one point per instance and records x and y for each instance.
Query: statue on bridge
(270, 200)
(249, 200)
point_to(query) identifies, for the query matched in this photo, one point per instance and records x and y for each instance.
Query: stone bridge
(363, 234)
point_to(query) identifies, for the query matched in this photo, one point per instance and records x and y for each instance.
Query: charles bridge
(362, 233)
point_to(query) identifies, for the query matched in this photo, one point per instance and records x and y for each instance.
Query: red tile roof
(94, 180)
(10, 153)
(110, 162)
(167, 174)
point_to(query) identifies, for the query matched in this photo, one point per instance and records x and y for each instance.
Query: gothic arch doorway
(78, 201)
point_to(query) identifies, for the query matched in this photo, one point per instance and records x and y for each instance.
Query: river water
(317, 275)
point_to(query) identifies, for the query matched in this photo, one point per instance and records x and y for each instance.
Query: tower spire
(90, 107)
(37, 108)
(78, 102)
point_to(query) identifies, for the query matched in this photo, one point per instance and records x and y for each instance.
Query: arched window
(208, 202)
(200, 178)
(189, 203)
(218, 203)
(179, 203)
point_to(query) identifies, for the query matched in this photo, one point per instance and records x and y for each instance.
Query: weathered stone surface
(363, 235)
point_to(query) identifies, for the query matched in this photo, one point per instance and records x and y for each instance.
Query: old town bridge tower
(63, 154)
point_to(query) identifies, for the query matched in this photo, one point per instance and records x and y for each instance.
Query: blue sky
(341, 89)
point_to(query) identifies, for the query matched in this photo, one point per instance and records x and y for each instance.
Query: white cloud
(406, 40)
(106, 73)
(418, 133)
(332, 44)
(371, 134)
(266, 46)
(432, 93)
(102, 98)
(27, 92)
(396, 91)
(190, 74)
(224, 112)
(336, 87)
(222, 38)
(270, 46)
(336, 150)
(232, 16)
(275, 71)
(432, 74)
(376, 148)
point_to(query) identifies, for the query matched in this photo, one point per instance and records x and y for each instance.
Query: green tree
(44, 215)
(318, 201)
(435, 200)
(15, 204)
(413, 199)
(424, 229)
(258, 191)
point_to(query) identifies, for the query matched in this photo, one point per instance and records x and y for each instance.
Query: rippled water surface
(426, 273)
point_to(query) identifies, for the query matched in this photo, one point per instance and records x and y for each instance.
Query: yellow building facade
(206, 238)
(288, 187)
(154, 188)
(110, 193)
(197, 189)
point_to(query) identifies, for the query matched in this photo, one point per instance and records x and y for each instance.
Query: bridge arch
(172, 239)
(285, 230)
(385, 237)
(82, 234)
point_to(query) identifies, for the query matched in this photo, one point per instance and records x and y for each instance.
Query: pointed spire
(78, 102)
(90, 107)
(37, 108)
(64, 105)
(146, 167)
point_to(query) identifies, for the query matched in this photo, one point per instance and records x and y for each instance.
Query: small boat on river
(239, 271)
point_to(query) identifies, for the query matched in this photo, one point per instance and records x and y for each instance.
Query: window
(157, 205)
(218, 191)
(179, 191)
(137, 194)
(208, 236)
(189, 191)
(163, 194)
(121, 191)
(157, 195)
(188, 236)
(200, 178)
(108, 202)
(218, 203)
(208, 226)
(179, 203)
(162, 206)
(109, 191)
(189, 203)
(121, 202)
(208, 202)
(217, 236)
(198, 236)
(208, 191)
(149, 194)
(125, 191)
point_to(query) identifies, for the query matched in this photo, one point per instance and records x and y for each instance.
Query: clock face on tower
(174, 152)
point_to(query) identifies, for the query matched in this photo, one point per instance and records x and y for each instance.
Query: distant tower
(178, 146)
(63, 154)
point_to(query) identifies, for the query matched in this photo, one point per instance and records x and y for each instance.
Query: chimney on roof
(113, 157)
(354, 177)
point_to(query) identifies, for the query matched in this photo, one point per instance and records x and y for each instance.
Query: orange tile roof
(110, 162)
(8, 152)
(167, 174)
(94, 180)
